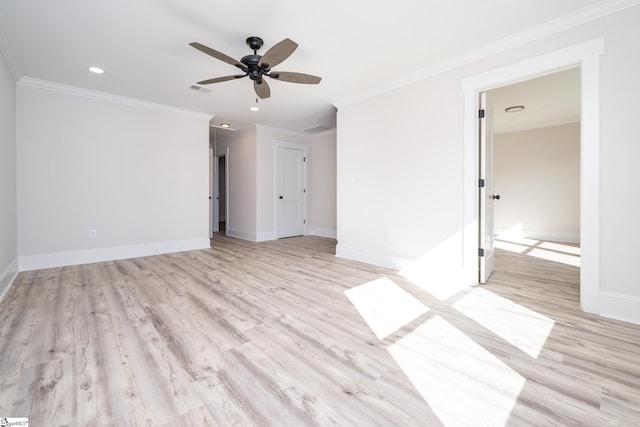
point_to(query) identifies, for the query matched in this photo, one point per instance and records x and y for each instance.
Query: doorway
(218, 206)
(290, 191)
(532, 196)
(587, 56)
(222, 194)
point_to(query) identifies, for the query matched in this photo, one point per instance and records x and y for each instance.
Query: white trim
(369, 256)
(103, 96)
(264, 236)
(586, 55)
(549, 236)
(7, 277)
(620, 307)
(331, 233)
(582, 16)
(61, 259)
(239, 234)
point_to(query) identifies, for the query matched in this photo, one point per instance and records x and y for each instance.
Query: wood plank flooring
(283, 333)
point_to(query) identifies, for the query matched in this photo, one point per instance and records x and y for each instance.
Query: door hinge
(480, 252)
(304, 159)
(481, 183)
(304, 190)
(304, 221)
(481, 114)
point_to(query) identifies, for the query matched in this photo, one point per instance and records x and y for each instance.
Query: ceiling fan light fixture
(514, 109)
(96, 70)
(255, 107)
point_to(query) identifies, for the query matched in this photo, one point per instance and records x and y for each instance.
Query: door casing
(585, 55)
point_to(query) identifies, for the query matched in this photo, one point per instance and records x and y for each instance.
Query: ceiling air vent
(200, 89)
(316, 129)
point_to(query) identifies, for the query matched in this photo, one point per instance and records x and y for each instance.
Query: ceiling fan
(257, 66)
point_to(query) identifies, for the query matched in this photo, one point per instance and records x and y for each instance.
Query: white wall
(8, 198)
(136, 173)
(537, 174)
(241, 166)
(415, 191)
(252, 199)
(322, 185)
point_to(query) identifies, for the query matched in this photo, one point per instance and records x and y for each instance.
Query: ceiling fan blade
(278, 53)
(218, 55)
(221, 79)
(286, 76)
(262, 89)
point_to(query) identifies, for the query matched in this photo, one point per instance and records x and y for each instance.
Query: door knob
(496, 196)
(280, 197)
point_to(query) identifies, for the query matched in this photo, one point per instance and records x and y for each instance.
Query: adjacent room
(343, 213)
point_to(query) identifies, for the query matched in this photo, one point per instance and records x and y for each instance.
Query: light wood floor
(284, 333)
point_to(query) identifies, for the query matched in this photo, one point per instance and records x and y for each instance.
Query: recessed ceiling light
(96, 70)
(225, 125)
(514, 109)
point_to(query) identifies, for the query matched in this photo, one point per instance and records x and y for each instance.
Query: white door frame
(227, 194)
(211, 193)
(587, 56)
(215, 183)
(305, 149)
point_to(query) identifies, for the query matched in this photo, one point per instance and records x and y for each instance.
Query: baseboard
(322, 232)
(379, 258)
(7, 277)
(620, 307)
(549, 236)
(61, 259)
(265, 236)
(241, 234)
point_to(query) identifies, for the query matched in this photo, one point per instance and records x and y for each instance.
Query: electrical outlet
(93, 234)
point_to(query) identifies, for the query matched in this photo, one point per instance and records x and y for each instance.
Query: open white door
(290, 191)
(485, 182)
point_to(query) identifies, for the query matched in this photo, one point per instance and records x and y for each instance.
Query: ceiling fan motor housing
(254, 70)
(254, 43)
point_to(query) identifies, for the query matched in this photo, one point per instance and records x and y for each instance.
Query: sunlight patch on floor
(521, 327)
(440, 271)
(512, 240)
(556, 257)
(516, 235)
(385, 306)
(508, 246)
(560, 247)
(464, 384)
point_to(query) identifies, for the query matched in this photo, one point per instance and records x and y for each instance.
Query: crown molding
(103, 96)
(591, 13)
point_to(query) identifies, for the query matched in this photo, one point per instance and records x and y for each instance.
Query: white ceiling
(549, 100)
(357, 46)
